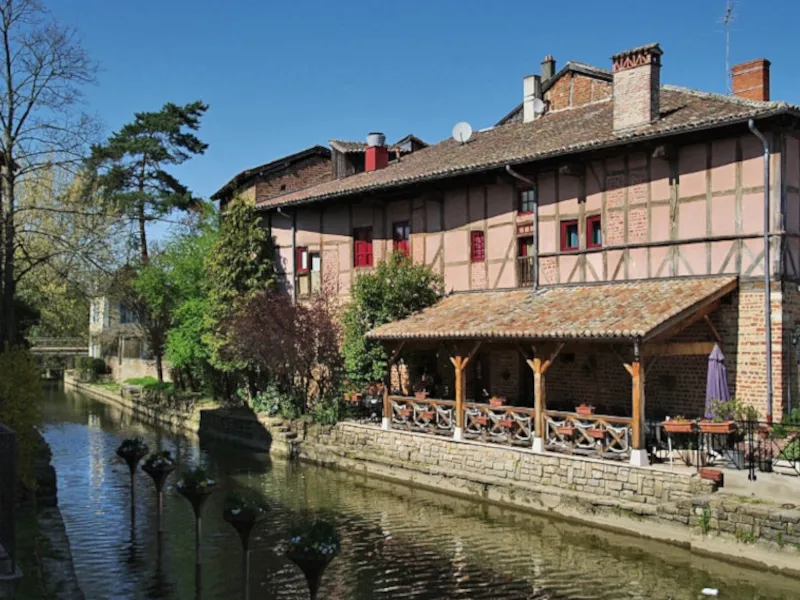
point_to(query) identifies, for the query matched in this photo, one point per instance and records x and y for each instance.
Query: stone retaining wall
(177, 420)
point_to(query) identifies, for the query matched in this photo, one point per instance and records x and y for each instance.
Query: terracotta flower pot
(566, 430)
(405, 412)
(496, 402)
(505, 422)
(584, 409)
(597, 434)
(714, 475)
(421, 395)
(481, 420)
(724, 427)
(426, 414)
(678, 426)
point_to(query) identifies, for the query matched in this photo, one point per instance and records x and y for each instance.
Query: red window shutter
(302, 251)
(362, 247)
(478, 251)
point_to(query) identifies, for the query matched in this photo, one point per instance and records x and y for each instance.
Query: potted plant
(132, 450)
(196, 486)
(422, 387)
(597, 434)
(426, 415)
(243, 512)
(584, 409)
(480, 420)
(159, 466)
(717, 426)
(312, 547)
(679, 424)
(714, 475)
(566, 430)
(497, 401)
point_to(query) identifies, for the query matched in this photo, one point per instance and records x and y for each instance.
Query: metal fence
(754, 446)
(8, 481)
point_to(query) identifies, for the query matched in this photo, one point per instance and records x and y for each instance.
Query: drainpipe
(767, 268)
(530, 182)
(294, 252)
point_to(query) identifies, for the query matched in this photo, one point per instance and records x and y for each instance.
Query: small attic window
(283, 187)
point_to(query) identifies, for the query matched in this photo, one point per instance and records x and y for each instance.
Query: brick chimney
(548, 67)
(377, 154)
(751, 79)
(637, 83)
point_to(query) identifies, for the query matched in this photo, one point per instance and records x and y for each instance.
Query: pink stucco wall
(660, 217)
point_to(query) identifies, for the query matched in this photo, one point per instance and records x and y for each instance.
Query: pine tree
(130, 168)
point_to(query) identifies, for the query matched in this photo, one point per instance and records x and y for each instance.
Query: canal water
(397, 541)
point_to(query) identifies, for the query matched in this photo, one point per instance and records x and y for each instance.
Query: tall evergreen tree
(130, 168)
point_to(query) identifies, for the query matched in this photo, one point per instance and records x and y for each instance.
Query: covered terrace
(635, 322)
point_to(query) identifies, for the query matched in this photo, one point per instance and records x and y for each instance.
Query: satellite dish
(462, 131)
(538, 107)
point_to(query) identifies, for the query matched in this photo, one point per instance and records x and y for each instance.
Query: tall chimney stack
(751, 79)
(548, 67)
(637, 84)
(377, 154)
(531, 92)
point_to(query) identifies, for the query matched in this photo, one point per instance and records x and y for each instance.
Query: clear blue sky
(283, 75)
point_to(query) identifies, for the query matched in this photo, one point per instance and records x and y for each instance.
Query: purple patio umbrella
(717, 381)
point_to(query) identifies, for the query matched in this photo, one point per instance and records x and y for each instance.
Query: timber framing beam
(678, 349)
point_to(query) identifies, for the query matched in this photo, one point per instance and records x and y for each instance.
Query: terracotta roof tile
(623, 310)
(562, 132)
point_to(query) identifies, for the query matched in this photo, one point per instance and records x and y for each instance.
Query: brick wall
(575, 89)
(304, 174)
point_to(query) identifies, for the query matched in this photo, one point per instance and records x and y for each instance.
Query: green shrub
(90, 369)
(396, 289)
(142, 381)
(20, 401)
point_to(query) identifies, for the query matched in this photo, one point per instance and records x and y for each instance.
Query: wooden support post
(460, 363)
(539, 391)
(386, 423)
(638, 450)
(461, 390)
(539, 368)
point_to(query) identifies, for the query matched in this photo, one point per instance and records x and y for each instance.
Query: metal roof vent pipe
(377, 154)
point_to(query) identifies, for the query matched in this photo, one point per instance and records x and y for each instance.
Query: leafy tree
(20, 398)
(396, 289)
(130, 168)
(43, 68)
(295, 345)
(187, 348)
(240, 265)
(150, 296)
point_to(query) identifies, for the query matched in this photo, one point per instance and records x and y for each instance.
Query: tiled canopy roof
(625, 310)
(563, 132)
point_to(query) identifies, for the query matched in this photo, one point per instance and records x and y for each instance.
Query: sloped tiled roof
(563, 132)
(608, 311)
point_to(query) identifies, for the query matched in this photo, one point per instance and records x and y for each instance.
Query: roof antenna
(726, 21)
